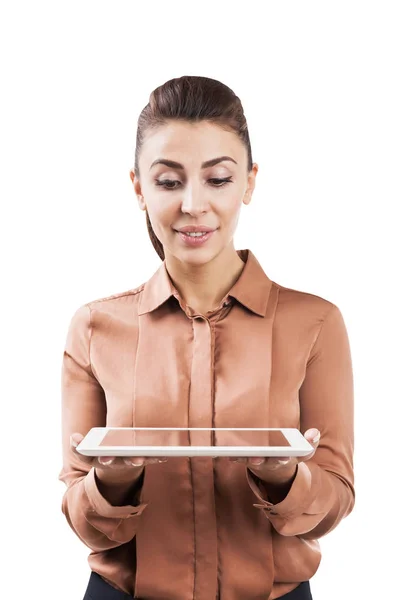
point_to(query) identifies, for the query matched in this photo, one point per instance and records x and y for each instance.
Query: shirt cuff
(102, 507)
(296, 500)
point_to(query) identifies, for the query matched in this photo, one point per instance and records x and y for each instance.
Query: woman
(208, 341)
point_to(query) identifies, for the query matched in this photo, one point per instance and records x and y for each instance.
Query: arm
(90, 505)
(321, 492)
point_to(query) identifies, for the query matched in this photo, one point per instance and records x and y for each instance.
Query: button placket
(201, 415)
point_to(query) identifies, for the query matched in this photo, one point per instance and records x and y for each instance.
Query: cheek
(231, 212)
(163, 218)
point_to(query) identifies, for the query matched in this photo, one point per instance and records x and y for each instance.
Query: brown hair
(191, 98)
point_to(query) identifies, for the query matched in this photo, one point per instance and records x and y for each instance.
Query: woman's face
(190, 192)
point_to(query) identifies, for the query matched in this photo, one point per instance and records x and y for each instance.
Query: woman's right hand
(114, 468)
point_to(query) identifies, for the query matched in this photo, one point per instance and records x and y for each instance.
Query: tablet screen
(131, 437)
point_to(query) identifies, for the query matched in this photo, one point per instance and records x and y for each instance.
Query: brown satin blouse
(204, 528)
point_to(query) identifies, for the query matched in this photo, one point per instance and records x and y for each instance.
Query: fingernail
(73, 442)
(256, 461)
(316, 438)
(106, 462)
(283, 462)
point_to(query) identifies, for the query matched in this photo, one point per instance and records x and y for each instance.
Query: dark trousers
(99, 589)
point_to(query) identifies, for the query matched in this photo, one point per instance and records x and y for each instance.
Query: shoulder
(118, 304)
(304, 304)
(128, 296)
(304, 313)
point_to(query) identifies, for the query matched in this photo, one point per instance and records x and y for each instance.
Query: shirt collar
(251, 289)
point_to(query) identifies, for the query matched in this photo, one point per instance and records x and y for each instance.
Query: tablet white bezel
(299, 446)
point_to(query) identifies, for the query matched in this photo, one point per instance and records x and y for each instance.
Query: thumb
(75, 439)
(312, 435)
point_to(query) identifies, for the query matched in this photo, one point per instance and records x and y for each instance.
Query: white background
(319, 82)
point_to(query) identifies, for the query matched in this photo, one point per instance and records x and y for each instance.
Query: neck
(204, 286)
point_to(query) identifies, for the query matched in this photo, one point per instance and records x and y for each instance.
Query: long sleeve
(96, 522)
(322, 493)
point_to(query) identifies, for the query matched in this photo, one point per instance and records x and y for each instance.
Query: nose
(194, 201)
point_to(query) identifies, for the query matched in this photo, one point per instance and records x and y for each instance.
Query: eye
(222, 181)
(216, 182)
(165, 183)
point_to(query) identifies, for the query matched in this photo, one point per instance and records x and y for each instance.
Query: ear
(138, 190)
(251, 183)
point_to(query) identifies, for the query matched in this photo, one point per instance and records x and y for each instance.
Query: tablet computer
(193, 441)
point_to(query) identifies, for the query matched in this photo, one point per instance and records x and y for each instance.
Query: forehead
(190, 142)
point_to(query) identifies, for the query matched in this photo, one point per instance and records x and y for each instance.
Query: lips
(195, 241)
(195, 229)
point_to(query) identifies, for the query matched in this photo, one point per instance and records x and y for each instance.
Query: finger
(136, 461)
(313, 436)
(106, 460)
(154, 460)
(273, 463)
(74, 440)
(118, 463)
(268, 463)
(256, 460)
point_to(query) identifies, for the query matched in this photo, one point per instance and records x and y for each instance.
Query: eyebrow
(175, 165)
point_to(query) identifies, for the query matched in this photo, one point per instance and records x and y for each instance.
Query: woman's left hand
(279, 469)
